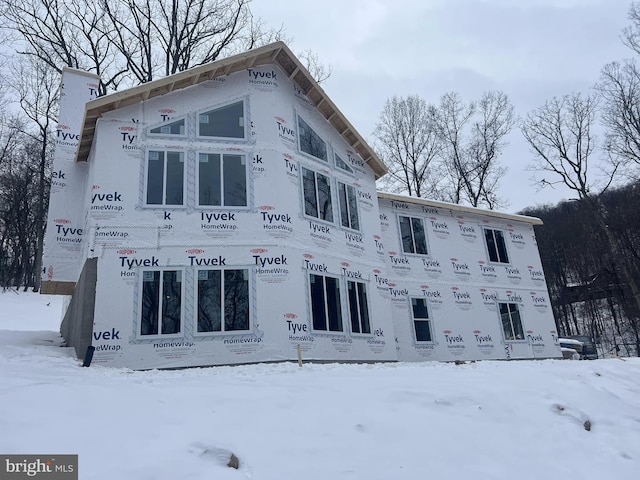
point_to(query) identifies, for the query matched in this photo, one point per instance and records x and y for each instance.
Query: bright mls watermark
(50, 467)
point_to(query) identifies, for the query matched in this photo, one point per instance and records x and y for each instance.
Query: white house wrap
(230, 215)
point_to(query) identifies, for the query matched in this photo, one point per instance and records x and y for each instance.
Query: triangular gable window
(173, 128)
(342, 165)
(225, 122)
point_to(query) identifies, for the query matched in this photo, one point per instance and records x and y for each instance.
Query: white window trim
(164, 206)
(486, 247)
(366, 284)
(429, 319)
(338, 183)
(247, 124)
(328, 150)
(247, 180)
(178, 136)
(426, 238)
(159, 336)
(222, 333)
(345, 328)
(332, 196)
(515, 340)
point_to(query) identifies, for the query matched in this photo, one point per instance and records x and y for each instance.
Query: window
(496, 246)
(325, 303)
(414, 239)
(165, 178)
(421, 322)
(161, 302)
(348, 206)
(222, 180)
(173, 128)
(225, 122)
(342, 165)
(511, 321)
(358, 307)
(317, 195)
(223, 300)
(310, 141)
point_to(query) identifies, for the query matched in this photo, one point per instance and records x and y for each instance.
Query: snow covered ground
(486, 420)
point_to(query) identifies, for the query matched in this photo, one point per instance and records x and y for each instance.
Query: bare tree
(473, 136)
(408, 143)
(561, 136)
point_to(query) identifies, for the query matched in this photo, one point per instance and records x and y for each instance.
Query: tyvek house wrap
(461, 288)
(65, 222)
(275, 253)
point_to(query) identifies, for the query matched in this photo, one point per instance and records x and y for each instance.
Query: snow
(486, 420)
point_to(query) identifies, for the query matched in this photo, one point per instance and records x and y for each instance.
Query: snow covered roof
(276, 53)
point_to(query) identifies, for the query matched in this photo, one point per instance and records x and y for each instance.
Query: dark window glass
(324, 198)
(173, 128)
(496, 246)
(171, 301)
(235, 181)
(318, 308)
(342, 165)
(155, 178)
(413, 236)
(222, 183)
(225, 122)
(175, 178)
(317, 195)
(511, 321)
(333, 304)
(150, 297)
(209, 301)
(310, 141)
(358, 307)
(236, 300)
(421, 322)
(325, 303)
(309, 188)
(348, 206)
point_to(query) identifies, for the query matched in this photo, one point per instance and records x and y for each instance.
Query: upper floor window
(317, 195)
(161, 310)
(511, 321)
(325, 303)
(358, 307)
(348, 202)
(224, 122)
(342, 165)
(173, 128)
(222, 180)
(496, 245)
(310, 141)
(413, 236)
(165, 178)
(223, 300)
(421, 322)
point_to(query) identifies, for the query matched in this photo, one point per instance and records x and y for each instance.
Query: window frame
(349, 215)
(159, 335)
(428, 320)
(245, 121)
(359, 307)
(348, 168)
(313, 131)
(196, 305)
(326, 309)
(164, 204)
(222, 179)
(502, 324)
(424, 230)
(304, 198)
(497, 249)
(180, 136)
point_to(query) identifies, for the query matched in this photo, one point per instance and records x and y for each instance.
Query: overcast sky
(530, 49)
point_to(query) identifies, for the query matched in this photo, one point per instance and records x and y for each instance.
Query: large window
(317, 195)
(511, 321)
(172, 128)
(224, 122)
(421, 322)
(348, 206)
(165, 178)
(310, 141)
(223, 300)
(413, 236)
(358, 307)
(161, 302)
(222, 180)
(496, 246)
(325, 303)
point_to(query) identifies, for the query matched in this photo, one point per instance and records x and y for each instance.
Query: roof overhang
(460, 208)
(276, 53)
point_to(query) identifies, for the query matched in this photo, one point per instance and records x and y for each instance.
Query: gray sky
(530, 49)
